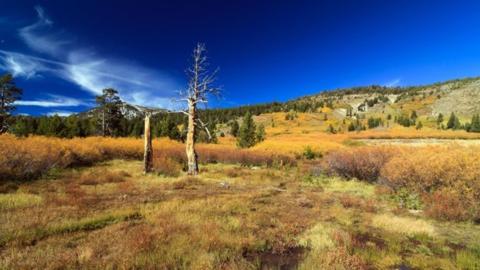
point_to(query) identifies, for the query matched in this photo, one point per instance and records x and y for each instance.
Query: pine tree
(20, 128)
(246, 134)
(419, 125)
(56, 127)
(331, 129)
(351, 127)
(110, 113)
(43, 126)
(234, 128)
(440, 119)
(414, 116)
(9, 93)
(475, 124)
(453, 122)
(260, 136)
(137, 129)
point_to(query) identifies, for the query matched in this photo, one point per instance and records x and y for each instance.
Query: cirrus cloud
(54, 101)
(85, 68)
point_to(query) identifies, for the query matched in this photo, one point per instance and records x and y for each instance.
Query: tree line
(108, 119)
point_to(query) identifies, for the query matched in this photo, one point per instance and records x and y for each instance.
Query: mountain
(128, 110)
(461, 96)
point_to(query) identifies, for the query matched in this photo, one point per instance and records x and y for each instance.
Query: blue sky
(63, 53)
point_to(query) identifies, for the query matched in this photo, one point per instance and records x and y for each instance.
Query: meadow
(299, 200)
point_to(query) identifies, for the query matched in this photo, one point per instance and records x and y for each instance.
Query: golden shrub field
(348, 206)
(28, 158)
(446, 177)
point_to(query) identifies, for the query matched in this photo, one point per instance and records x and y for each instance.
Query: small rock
(415, 212)
(224, 184)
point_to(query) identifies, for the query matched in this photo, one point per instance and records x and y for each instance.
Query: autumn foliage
(364, 163)
(29, 158)
(447, 178)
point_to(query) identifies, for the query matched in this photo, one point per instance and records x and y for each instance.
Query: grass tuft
(11, 201)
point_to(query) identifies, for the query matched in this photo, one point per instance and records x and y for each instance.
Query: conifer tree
(413, 116)
(246, 134)
(260, 135)
(419, 125)
(9, 93)
(234, 128)
(20, 128)
(110, 113)
(453, 122)
(475, 124)
(440, 119)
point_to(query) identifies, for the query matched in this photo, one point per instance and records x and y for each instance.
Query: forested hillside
(446, 105)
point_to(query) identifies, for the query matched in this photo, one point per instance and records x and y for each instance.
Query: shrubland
(248, 209)
(30, 157)
(445, 178)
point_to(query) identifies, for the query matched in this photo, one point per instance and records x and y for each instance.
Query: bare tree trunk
(103, 123)
(190, 144)
(148, 152)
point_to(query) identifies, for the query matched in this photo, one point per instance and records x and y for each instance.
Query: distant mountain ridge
(461, 96)
(128, 110)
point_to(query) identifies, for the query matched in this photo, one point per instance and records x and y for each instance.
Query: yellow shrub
(26, 158)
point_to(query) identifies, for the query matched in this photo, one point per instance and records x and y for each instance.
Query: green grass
(91, 223)
(11, 201)
(71, 226)
(317, 238)
(339, 185)
(468, 259)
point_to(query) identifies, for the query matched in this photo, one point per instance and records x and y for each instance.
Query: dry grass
(264, 218)
(403, 225)
(220, 154)
(246, 210)
(399, 132)
(309, 129)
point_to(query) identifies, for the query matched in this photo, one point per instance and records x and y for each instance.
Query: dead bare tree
(200, 81)
(147, 136)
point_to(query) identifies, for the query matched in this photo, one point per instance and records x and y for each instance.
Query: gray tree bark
(190, 142)
(148, 151)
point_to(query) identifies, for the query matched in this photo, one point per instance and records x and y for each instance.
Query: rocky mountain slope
(459, 96)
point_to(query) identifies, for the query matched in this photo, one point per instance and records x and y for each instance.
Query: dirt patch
(287, 260)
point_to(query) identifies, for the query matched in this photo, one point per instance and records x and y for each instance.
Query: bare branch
(205, 126)
(198, 90)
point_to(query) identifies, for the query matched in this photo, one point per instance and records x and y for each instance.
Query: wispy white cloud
(60, 113)
(39, 36)
(53, 101)
(92, 73)
(19, 65)
(393, 83)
